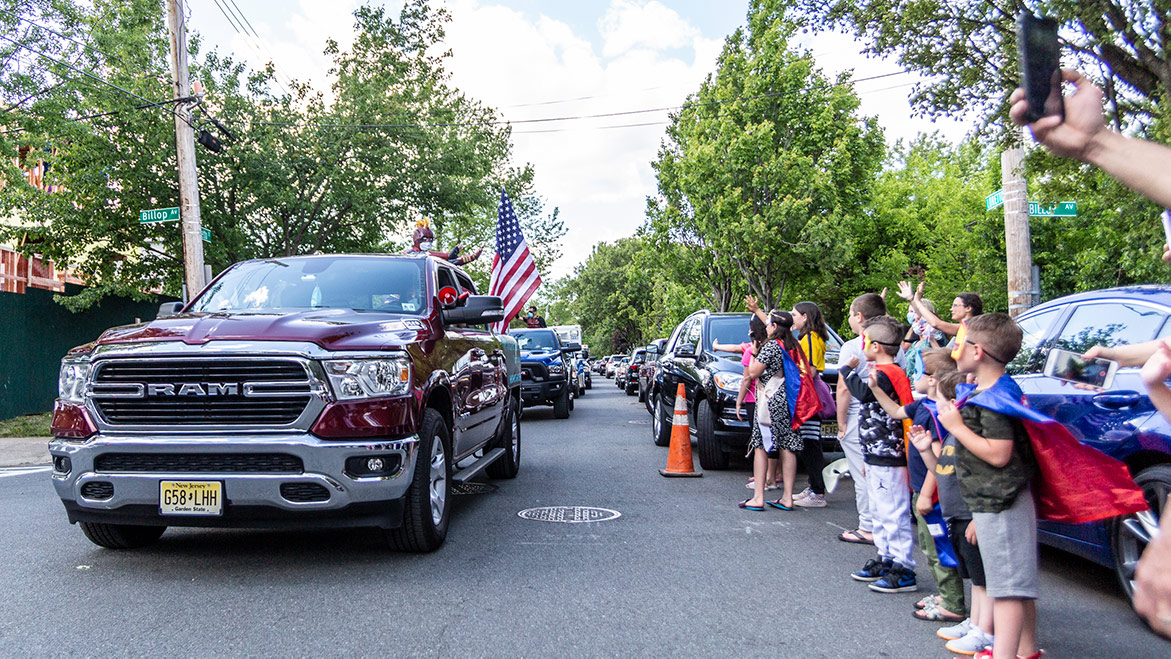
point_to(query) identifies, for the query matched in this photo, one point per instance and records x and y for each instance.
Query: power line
(247, 38)
(261, 41)
(77, 70)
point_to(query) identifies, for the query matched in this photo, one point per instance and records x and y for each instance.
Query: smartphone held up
(1040, 60)
(1072, 367)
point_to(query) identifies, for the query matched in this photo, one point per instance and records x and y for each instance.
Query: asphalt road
(682, 571)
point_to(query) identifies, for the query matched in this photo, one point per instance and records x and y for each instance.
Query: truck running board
(474, 469)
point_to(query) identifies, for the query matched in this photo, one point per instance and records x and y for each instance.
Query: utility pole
(1018, 246)
(193, 275)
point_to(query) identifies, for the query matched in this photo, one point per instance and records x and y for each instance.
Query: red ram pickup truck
(340, 391)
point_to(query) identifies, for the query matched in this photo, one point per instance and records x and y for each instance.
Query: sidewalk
(21, 451)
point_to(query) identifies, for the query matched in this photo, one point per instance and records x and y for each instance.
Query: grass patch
(32, 425)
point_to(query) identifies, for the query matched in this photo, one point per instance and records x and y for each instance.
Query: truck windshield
(536, 341)
(728, 329)
(361, 283)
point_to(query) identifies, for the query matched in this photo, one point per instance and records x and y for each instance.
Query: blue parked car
(1121, 421)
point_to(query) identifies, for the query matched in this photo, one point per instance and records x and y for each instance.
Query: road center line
(20, 471)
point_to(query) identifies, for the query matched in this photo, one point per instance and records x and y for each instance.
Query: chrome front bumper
(136, 494)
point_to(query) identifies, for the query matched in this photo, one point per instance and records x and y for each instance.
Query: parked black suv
(711, 381)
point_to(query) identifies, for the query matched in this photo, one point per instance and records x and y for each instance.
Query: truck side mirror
(168, 309)
(570, 347)
(685, 351)
(477, 310)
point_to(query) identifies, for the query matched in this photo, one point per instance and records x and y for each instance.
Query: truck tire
(711, 454)
(561, 405)
(628, 391)
(428, 500)
(121, 536)
(507, 465)
(1156, 484)
(660, 427)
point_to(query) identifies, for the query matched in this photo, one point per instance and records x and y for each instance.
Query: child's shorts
(1008, 547)
(968, 554)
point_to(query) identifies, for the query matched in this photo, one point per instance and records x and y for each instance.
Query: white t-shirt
(853, 348)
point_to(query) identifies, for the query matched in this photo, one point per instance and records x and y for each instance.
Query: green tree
(967, 50)
(765, 166)
(395, 142)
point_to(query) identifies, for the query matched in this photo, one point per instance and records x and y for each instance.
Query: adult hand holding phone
(1084, 121)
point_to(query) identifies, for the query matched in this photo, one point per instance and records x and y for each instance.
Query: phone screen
(1040, 60)
(1070, 366)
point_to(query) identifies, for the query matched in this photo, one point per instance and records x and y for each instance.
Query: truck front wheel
(561, 405)
(507, 465)
(425, 514)
(121, 536)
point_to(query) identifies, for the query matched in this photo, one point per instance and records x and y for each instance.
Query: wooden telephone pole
(1018, 245)
(193, 274)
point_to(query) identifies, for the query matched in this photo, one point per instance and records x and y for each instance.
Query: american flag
(514, 273)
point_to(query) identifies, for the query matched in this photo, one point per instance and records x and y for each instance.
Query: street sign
(206, 235)
(1061, 209)
(158, 215)
(993, 200)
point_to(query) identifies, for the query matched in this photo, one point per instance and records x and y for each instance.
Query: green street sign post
(993, 200)
(206, 234)
(158, 215)
(1061, 209)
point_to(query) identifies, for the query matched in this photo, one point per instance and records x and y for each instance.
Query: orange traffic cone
(679, 461)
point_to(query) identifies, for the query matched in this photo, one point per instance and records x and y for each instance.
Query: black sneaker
(897, 580)
(873, 570)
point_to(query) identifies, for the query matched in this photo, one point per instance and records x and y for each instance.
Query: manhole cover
(570, 514)
(473, 488)
(639, 422)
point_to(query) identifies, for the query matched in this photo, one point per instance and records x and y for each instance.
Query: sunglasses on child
(866, 341)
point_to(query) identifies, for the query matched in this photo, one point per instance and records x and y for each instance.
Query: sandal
(776, 503)
(854, 537)
(745, 506)
(934, 614)
(930, 600)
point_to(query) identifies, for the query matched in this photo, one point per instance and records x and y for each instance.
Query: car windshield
(727, 329)
(536, 341)
(372, 283)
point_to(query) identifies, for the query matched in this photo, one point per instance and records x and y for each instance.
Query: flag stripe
(514, 272)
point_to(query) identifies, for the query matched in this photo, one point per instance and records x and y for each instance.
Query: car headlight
(368, 378)
(72, 380)
(555, 369)
(728, 381)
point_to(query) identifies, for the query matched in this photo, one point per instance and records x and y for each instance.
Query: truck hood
(539, 355)
(332, 329)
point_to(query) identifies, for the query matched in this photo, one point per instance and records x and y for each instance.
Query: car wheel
(630, 390)
(711, 453)
(507, 465)
(121, 536)
(589, 382)
(428, 500)
(650, 402)
(572, 399)
(561, 405)
(1127, 544)
(660, 426)
(581, 386)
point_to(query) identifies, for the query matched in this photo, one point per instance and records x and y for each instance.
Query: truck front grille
(185, 392)
(534, 371)
(193, 463)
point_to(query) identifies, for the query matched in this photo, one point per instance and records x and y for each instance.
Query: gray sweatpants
(852, 447)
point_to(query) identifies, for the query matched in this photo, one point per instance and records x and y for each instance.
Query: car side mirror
(570, 347)
(685, 351)
(168, 309)
(652, 349)
(476, 310)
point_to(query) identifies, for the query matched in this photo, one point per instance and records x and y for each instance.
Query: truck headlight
(72, 380)
(368, 378)
(728, 381)
(555, 369)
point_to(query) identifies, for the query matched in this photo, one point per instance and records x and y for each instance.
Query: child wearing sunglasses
(884, 452)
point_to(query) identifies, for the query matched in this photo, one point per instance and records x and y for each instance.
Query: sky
(535, 59)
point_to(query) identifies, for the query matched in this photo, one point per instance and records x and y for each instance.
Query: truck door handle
(1118, 400)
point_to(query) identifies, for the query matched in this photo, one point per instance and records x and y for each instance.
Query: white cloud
(629, 23)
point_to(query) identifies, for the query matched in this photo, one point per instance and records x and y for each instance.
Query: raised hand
(883, 293)
(853, 361)
(872, 379)
(949, 415)
(905, 290)
(1158, 367)
(919, 290)
(920, 438)
(1084, 118)
(750, 303)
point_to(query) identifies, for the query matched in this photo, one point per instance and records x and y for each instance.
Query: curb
(24, 451)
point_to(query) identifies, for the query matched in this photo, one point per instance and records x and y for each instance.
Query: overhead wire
(237, 26)
(263, 44)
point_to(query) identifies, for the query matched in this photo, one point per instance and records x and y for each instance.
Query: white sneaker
(970, 644)
(803, 494)
(811, 501)
(955, 632)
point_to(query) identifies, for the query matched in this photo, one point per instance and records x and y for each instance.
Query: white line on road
(839, 527)
(20, 471)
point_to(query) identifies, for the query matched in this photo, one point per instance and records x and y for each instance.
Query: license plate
(829, 429)
(191, 498)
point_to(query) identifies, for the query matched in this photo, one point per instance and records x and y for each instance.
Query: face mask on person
(531, 314)
(427, 245)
